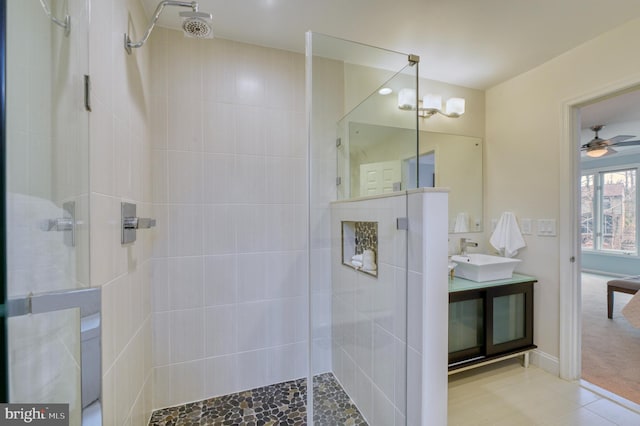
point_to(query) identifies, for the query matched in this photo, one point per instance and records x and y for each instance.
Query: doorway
(609, 164)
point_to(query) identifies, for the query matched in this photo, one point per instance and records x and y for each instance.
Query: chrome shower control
(130, 223)
(139, 223)
(66, 223)
(61, 224)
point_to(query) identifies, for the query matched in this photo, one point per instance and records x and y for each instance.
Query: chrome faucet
(464, 243)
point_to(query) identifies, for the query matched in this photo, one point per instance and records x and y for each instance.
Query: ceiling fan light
(597, 152)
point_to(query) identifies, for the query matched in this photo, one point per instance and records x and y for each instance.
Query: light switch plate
(525, 226)
(547, 227)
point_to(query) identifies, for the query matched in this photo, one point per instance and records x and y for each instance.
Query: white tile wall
(369, 316)
(229, 267)
(120, 164)
(365, 312)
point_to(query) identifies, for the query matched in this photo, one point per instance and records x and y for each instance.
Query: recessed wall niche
(360, 246)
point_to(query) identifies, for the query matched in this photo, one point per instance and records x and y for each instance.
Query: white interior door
(379, 178)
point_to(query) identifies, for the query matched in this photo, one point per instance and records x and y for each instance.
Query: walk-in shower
(378, 332)
(195, 24)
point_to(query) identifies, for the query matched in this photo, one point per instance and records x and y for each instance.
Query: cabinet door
(510, 319)
(466, 327)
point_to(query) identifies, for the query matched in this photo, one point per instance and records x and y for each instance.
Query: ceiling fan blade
(627, 143)
(619, 138)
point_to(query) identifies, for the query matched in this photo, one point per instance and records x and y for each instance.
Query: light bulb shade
(430, 101)
(455, 107)
(407, 99)
(597, 152)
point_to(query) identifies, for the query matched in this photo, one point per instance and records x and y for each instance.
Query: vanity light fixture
(430, 104)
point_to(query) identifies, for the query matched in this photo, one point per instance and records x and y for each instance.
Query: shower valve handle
(139, 223)
(131, 222)
(60, 224)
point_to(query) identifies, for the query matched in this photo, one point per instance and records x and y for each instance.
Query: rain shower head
(197, 24)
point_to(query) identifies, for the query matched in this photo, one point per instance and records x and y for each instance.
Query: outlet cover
(525, 226)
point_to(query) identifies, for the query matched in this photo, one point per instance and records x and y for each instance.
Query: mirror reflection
(444, 160)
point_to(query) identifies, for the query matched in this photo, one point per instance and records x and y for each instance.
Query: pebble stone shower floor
(279, 404)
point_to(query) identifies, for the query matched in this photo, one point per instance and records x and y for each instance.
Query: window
(609, 210)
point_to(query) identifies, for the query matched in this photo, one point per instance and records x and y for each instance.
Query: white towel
(507, 237)
(461, 223)
(369, 260)
(631, 310)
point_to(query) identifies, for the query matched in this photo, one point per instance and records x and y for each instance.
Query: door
(466, 326)
(379, 178)
(509, 317)
(46, 208)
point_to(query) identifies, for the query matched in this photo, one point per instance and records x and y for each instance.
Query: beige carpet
(610, 347)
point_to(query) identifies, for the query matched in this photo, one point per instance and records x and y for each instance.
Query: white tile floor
(507, 394)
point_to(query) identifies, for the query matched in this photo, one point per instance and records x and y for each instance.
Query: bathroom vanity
(489, 321)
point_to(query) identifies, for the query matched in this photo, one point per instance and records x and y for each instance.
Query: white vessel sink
(484, 267)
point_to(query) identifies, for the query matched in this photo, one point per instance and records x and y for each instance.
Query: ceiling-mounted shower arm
(64, 23)
(128, 44)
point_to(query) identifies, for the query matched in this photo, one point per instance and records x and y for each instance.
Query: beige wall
(524, 146)
(362, 81)
(120, 158)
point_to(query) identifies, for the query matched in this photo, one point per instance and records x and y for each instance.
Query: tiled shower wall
(229, 192)
(389, 342)
(120, 161)
(369, 313)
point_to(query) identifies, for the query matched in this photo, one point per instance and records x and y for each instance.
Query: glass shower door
(361, 145)
(48, 298)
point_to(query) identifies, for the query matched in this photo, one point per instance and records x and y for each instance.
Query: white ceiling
(471, 43)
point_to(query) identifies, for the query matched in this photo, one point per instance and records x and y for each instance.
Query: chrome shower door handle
(131, 222)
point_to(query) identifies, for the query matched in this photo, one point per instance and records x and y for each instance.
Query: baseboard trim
(548, 363)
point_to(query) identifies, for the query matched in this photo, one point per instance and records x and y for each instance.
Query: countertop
(461, 284)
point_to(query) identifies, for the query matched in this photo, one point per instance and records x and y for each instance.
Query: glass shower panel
(46, 200)
(358, 316)
(377, 141)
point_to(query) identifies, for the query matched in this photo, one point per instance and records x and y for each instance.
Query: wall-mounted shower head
(64, 22)
(197, 24)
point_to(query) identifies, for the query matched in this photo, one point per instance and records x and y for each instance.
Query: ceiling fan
(598, 147)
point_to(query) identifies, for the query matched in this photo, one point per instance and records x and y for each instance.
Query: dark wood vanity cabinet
(489, 321)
